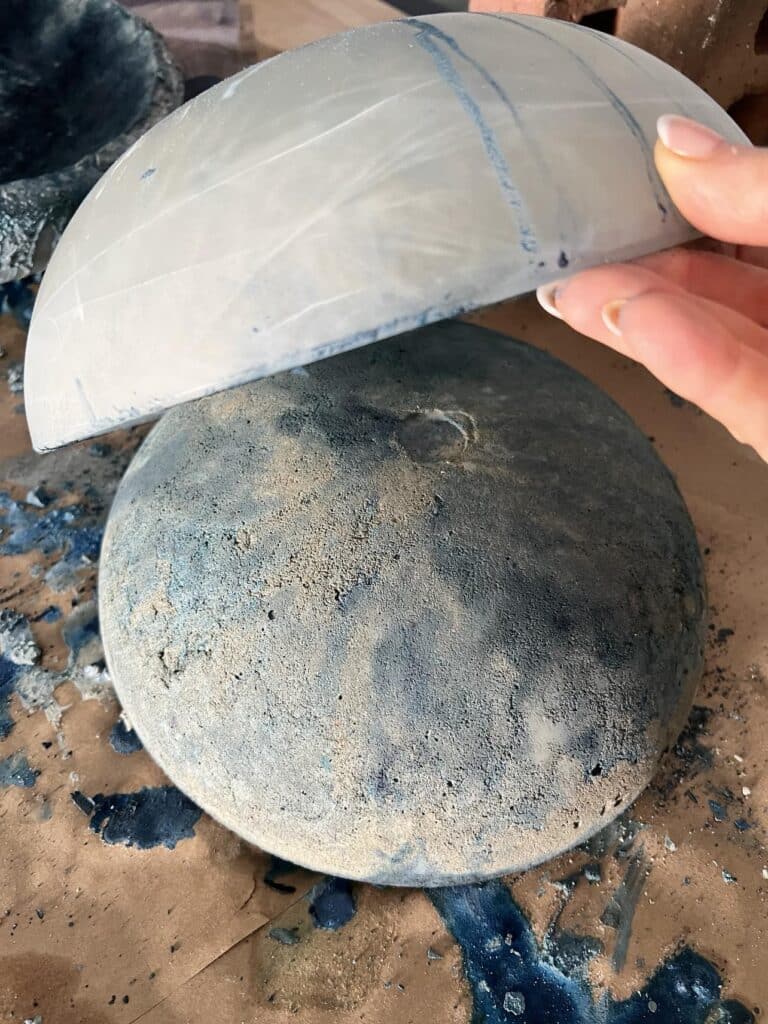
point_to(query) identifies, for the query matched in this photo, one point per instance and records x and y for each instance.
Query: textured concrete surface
(80, 81)
(423, 613)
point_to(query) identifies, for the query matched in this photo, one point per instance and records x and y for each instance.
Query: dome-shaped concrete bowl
(80, 81)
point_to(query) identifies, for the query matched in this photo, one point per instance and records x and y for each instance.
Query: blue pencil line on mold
(615, 101)
(623, 51)
(429, 37)
(565, 212)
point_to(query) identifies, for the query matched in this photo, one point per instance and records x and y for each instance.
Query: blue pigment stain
(100, 450)
(124, 740)
(719, 812)
(615, 101)
(16, 771)
(68, 532)
(9, 673)
(502, 961)
(332, 904)
(429, 39)
(162, 816)
(148, 173)
(285, 936)
(52, 614)
(81, 630)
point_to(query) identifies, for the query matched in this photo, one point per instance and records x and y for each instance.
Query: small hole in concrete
(597, 770)
(602, 21)
(761, 36)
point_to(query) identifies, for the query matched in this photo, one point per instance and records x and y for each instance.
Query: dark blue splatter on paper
(505, 967)
(124, 740)
(72, 533)
(15, 770)
(161, 816)
(332, 903)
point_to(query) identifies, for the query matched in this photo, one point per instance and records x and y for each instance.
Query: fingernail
(688, 138)
(547, 296)
(611, 313)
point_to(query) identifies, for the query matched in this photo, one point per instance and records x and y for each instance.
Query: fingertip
(724, 194)
(688, 138)
(546, 295)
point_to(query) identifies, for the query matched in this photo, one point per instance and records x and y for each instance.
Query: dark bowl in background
(80, 81)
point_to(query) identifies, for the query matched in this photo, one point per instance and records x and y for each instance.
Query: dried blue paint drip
(615, 101)
(16, 771)
(332, 904)
(503, 964)
(124, 740)
(71, 532)
(428, 37)
(161, 816)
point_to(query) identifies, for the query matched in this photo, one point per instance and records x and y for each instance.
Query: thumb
(720, 188)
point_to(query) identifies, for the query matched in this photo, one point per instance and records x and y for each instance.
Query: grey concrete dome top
(80, 81)
(422, 613)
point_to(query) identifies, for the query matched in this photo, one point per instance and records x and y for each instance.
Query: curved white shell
(356, 188)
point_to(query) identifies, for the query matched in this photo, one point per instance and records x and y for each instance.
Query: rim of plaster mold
(35, 211)
(553, 125)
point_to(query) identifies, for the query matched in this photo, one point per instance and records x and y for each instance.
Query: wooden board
(268, 27)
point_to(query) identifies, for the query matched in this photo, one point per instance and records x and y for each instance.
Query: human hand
(697, 320)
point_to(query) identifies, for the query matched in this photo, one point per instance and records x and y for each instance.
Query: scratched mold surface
(465, 175)
(121, 901)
